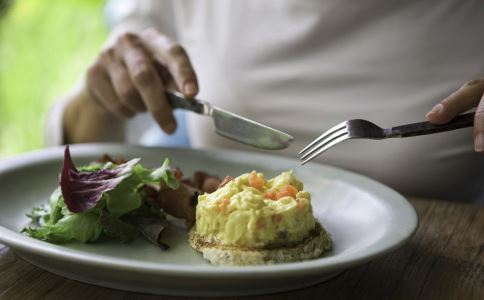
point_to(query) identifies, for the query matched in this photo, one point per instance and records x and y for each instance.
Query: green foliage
(45, 46)
(4, 5)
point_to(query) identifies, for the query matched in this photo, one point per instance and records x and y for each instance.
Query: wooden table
(444, 260)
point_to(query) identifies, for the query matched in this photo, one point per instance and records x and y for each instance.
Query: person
(301, 67)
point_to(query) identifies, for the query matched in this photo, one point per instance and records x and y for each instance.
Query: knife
(233, 126)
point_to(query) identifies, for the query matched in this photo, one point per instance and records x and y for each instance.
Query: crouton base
(314, 245)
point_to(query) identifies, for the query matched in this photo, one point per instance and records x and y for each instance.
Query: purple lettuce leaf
(83, 190)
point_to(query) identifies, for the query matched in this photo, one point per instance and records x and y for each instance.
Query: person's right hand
(132, 75)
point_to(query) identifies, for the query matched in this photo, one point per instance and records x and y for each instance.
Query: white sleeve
(135, 15)
(53, 131)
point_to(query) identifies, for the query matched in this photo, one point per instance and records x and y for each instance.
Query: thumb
(465, 98)
(479, 127)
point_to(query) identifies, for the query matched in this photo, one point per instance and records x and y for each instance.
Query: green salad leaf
(103, 200)
(83, 227)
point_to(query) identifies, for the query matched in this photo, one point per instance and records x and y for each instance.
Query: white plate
(365, 218)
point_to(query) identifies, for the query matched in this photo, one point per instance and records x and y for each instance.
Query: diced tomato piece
(256, 181)
(224, 205)
(287, 191)
(270, 195)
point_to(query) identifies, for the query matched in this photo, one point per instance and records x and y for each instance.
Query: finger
(479, 127)
(148, 83)
(124, 88)
(166, 77)
(463, 99)
(101, 88)
(175, 58)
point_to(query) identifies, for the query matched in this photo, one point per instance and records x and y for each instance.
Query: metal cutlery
(232, 126)
(363, 129)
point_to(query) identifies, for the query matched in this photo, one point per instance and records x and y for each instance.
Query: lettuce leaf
(39, 214)
(119, 229)
(162, 173)
(165, 173)
(125, 198)
(118, 201)
(82, 190)
(81, 227)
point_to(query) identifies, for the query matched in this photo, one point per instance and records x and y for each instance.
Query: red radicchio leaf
(82, 190)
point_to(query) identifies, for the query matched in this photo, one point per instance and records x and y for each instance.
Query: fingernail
(479, 142)
(437, 109)
(169, 128)
(190, 88)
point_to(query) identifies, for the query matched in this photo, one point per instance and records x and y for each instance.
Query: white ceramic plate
(365, 218)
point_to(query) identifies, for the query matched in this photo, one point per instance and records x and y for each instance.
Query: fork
(363, 129)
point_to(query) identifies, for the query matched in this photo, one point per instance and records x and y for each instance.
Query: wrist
(85, 120)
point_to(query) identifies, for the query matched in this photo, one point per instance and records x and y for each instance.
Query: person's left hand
(468, 96)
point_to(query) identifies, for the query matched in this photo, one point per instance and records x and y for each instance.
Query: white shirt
(304, 66)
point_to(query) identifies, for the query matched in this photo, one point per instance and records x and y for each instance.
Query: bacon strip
(181, 203)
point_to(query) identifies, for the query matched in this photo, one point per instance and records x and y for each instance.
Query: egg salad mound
(251, 216)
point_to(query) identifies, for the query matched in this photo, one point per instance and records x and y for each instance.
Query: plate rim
(16, 240)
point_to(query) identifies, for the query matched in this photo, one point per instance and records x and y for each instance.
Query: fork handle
(422, 128)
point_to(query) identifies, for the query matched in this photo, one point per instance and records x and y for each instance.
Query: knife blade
(233, 126)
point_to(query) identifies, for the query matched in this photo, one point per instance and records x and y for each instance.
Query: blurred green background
(45, 46)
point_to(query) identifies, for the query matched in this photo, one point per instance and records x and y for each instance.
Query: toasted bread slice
(314, 245)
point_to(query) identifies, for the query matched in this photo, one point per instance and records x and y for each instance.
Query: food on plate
(236, 221)
(250, 220)
(116, 199)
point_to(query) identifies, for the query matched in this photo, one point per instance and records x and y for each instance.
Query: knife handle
(177, 100)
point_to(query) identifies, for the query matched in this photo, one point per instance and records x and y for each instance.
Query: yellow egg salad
(250, 211)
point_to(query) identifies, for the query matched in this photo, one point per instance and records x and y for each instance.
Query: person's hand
(132, 75)
(470, 95)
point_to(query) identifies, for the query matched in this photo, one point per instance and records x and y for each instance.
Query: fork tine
(339, 139)
(325, 134)
(321, 142)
